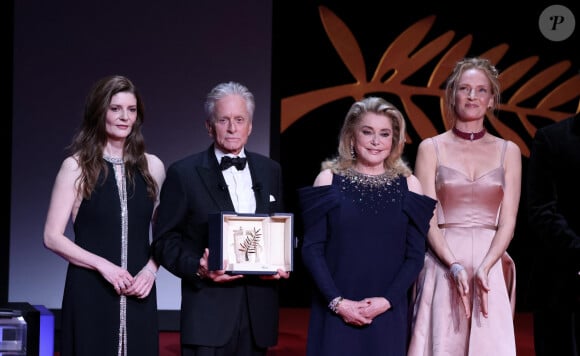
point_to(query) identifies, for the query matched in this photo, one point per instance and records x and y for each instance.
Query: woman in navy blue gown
(365, 224)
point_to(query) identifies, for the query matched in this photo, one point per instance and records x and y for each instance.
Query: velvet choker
(469, 135)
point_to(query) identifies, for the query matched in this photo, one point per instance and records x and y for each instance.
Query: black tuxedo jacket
(553, 193)
(194, 187)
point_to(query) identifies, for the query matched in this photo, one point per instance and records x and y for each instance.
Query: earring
(352, 152)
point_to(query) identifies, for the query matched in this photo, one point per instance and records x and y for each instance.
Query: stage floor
(294, 324)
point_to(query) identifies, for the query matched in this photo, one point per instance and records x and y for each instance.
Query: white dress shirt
(239, 185)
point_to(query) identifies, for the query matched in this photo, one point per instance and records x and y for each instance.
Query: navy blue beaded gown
(364, 236)
(91, 315)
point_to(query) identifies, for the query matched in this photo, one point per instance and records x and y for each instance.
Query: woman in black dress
(108, 187)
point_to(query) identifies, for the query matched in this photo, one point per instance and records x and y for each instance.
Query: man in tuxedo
(553, 197)
(221, 314)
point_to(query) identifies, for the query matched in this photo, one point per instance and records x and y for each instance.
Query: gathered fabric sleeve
(315, 204)
(419, 211)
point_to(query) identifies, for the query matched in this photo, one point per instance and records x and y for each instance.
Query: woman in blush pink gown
(465, 294)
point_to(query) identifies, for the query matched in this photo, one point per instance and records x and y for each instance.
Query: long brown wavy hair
(88, 143)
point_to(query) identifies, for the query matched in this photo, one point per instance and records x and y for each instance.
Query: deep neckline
(467, 177)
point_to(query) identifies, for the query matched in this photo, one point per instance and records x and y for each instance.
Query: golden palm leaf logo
(403, 58)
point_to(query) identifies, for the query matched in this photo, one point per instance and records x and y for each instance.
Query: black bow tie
(228, 161)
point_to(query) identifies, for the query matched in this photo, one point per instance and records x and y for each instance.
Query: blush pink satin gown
(467, 213)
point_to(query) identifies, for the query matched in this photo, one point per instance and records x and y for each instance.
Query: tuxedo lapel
(259, 183)
(216, 186)
(215, 183)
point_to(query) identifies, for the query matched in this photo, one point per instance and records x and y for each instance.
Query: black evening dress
(364, 236)
(94, 316)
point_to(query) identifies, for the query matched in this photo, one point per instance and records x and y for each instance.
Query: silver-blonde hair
(379, 106)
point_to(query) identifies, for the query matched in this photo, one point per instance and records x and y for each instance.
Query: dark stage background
(326, 53)
(175, 52)
(285, 52)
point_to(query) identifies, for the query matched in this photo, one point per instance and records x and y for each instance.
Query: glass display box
(251, 243)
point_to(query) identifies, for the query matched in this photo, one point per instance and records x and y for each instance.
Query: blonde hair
(482, 64)
(380, 106)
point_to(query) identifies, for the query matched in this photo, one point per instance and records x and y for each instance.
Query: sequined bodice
(361, 241)
(370, 193)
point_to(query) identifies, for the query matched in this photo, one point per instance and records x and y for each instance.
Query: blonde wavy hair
(345, 160)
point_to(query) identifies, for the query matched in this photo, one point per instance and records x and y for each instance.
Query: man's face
(231, 125)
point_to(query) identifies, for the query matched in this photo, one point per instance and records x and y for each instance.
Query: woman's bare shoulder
(414, 184)
(323, 178)
(156, 167)
(513, 148)
(429, 142)
(70, 164)
(153, 160)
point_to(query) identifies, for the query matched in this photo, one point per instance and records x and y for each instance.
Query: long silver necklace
(119, 169)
